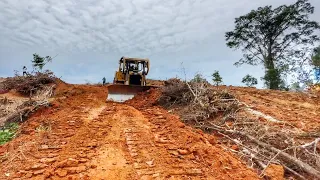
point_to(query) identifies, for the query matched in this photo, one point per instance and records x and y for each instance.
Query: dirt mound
(152, 82)
(145, 99)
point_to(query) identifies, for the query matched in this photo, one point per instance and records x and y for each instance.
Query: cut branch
(305, 167)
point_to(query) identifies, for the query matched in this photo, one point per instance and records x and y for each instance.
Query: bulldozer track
(144, 153)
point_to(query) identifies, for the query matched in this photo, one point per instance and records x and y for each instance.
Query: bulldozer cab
(135, 65)
(132, 71)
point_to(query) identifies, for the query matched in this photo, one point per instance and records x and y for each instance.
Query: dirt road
(83, 137)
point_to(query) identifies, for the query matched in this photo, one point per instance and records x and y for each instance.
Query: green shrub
(8, 133)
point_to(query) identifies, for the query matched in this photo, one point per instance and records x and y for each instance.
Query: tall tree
(216, 78)
(274, 38)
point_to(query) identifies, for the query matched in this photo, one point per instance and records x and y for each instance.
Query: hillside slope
(82, 137)
(297, 110)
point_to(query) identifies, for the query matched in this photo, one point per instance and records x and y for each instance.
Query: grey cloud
(169, 31)
(140, 23)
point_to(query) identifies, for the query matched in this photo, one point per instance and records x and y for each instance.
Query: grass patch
(8, 133)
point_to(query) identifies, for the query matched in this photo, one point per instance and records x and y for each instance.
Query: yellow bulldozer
(129, 79)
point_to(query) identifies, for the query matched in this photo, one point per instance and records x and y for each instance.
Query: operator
(103, 81)
(131, 67)
(24, 70)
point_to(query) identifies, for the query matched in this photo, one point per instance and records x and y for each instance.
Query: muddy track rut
(82, 137)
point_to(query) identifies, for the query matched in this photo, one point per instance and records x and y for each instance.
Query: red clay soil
(298, 110)
(145, 99)
(82, 137)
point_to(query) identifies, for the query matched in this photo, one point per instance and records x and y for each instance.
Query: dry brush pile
(199, 100)
(36, 90)
(30, 84)
(259, 142)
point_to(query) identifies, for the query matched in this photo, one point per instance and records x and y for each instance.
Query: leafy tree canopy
(38, 62)
(249, 80)
(198, 78)
(275, 38)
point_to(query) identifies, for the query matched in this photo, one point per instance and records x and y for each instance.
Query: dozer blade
(121, 93)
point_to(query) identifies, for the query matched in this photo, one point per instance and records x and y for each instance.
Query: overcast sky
(90, 36)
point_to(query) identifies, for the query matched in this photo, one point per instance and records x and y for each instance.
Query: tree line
(217, 80)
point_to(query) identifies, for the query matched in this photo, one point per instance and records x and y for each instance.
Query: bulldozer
(129, 79)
